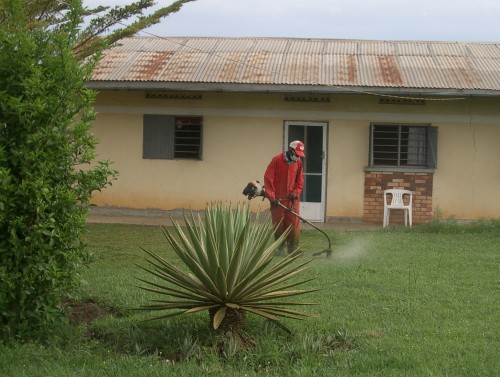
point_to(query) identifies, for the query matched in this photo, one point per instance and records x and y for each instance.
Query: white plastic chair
(394, 199)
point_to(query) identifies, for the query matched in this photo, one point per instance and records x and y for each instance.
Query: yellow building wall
(242, 132)
(348, 144)
(467, 180)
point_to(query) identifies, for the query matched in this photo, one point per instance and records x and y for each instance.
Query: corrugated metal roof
(454, 66)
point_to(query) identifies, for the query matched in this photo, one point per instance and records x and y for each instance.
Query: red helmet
(298, 147)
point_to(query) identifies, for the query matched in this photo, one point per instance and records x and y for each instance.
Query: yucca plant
(231, 270)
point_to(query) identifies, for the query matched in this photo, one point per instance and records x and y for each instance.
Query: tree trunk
(233, 320)
(231, 327)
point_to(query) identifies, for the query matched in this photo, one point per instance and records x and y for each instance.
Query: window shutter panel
(158, 137)
(432, 134)
(370, 150)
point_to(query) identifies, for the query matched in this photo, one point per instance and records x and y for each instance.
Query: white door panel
(312, 212)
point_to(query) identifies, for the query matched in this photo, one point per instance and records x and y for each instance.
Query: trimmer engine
(254, 189)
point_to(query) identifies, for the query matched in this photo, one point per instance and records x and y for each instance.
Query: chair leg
(410, 216)
(405, 215)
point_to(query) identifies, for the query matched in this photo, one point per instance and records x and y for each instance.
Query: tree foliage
(47, 151)
(100, 26)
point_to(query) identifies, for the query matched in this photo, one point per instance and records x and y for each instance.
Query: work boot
(291, 248)
(280, 251)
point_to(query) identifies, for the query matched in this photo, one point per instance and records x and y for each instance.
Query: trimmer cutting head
(328, 252)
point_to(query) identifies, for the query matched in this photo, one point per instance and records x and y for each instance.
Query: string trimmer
(254, 189)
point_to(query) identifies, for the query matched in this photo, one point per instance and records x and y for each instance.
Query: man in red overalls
(283, 182)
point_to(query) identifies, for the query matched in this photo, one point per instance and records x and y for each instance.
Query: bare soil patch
(84, 311)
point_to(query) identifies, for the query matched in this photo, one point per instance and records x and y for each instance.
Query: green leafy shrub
(46, 176)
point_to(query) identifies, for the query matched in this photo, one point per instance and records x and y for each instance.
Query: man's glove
(292, 196)
(275, 202)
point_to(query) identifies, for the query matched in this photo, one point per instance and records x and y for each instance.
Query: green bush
(46, 176)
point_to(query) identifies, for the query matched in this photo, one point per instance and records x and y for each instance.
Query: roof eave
(273, 88)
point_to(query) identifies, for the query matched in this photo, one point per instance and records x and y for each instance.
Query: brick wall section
(377, 182)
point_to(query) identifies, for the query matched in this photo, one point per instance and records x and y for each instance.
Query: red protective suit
(281, 179)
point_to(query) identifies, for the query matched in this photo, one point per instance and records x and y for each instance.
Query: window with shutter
(172, 137)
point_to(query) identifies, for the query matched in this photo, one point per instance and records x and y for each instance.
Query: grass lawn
(395, 302)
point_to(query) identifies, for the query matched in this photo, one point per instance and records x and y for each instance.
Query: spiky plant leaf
(230, 268)
(219, 316)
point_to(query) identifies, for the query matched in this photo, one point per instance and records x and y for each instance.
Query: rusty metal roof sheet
(335, 64)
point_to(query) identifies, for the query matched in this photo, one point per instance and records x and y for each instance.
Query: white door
(313, 135)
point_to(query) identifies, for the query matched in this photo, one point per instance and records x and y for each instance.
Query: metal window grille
(187, 137)
(168, 137)
(399, 145)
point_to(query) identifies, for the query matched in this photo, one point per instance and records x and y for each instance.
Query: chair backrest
(397, 196)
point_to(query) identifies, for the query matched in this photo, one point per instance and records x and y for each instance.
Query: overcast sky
(429, 20)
